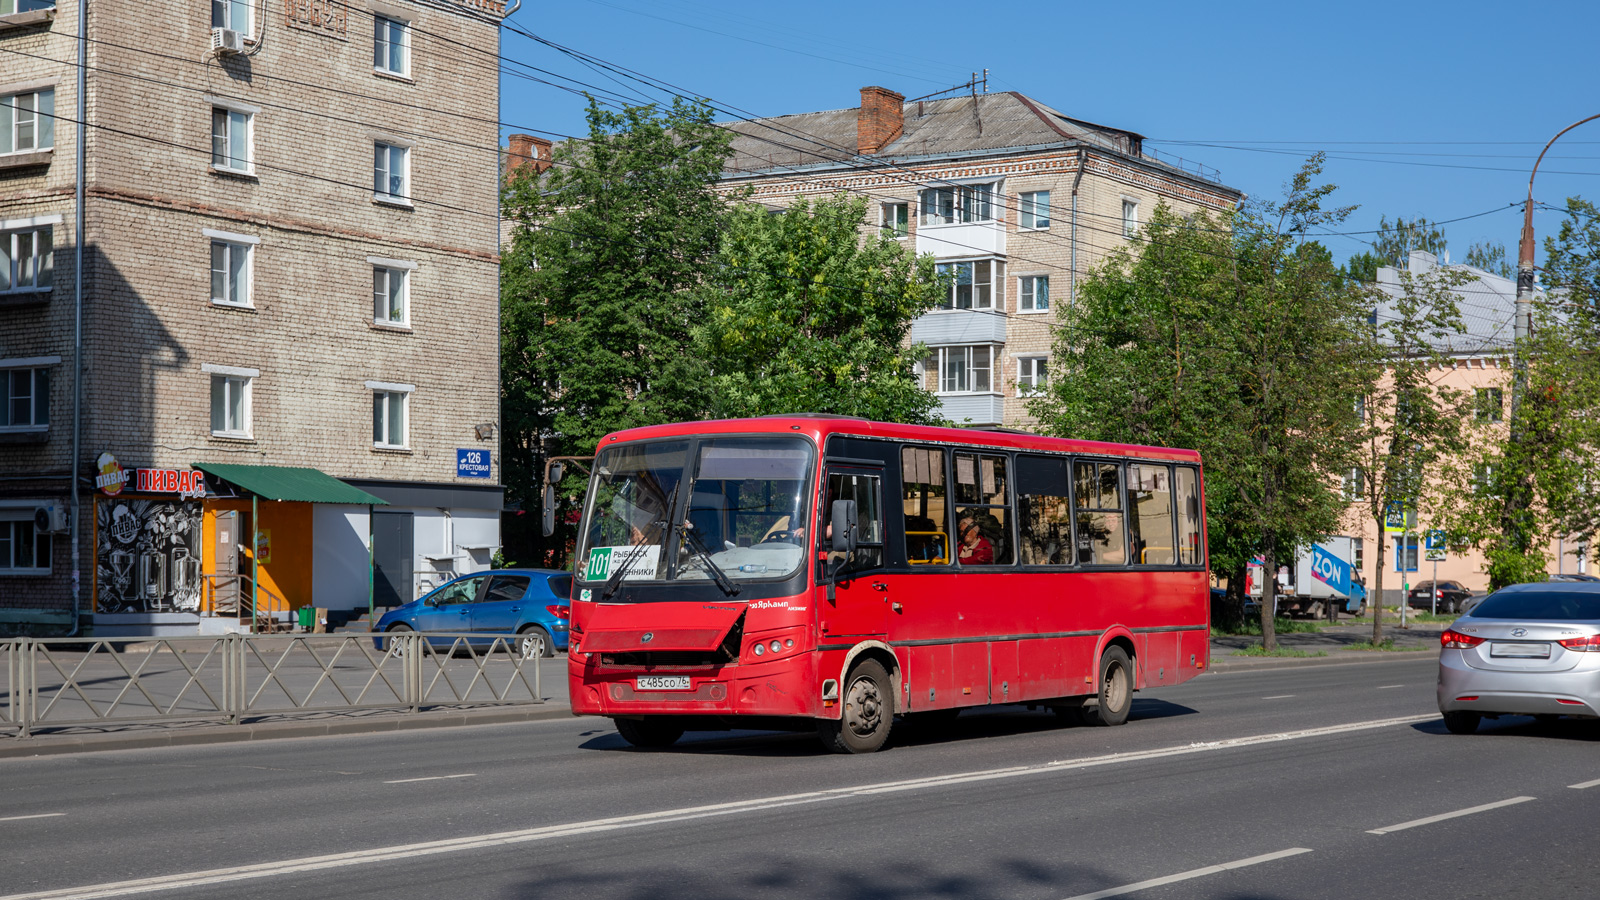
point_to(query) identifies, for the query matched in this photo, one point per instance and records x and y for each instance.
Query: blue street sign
(1435, 540)
(472, 463)
(1330, 570)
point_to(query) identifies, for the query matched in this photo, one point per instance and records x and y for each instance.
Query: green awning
(290, 483)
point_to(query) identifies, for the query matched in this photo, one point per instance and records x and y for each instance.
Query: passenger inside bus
(975, 548)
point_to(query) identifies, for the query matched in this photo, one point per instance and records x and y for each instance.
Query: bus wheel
(863, 725)
(661, 731)
(1116, 690)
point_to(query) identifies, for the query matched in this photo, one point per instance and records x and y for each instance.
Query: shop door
(226, 587)
(392, 576)
(861, 603)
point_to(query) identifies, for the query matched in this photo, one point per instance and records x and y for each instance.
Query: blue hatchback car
(533, 604)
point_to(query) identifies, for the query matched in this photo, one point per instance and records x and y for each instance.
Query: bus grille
(677, 659)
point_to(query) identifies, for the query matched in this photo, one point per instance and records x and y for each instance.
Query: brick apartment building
(289, 306)
(1015, 200)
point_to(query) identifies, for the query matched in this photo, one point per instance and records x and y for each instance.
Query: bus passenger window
(1150, 525)
(1190, 551)
(863, 489)
(1044, 512)
(923, 505)
(1097, 489)
(983, 532)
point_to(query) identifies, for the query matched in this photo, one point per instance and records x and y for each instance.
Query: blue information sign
(472, 463)
(1330, 570)
(1436, 540)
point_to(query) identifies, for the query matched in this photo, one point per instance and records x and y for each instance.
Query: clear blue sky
(1426, 109)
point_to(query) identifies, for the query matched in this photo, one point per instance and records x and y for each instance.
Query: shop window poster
(147, 556)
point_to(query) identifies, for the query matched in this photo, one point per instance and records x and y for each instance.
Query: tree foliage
(1490, 256)
(803, 315)
(1395, 240)
(1236, 337)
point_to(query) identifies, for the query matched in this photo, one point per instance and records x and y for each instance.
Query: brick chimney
(880, 120)
(526, 151)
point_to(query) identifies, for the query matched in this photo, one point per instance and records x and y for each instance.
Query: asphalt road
(1249, 784)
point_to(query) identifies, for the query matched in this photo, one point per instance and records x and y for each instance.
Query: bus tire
(867, 714)
(1116, 690)
(650, 734)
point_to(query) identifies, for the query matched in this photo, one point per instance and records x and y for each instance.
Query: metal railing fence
(52, 683)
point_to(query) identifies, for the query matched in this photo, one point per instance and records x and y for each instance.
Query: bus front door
(860, 604)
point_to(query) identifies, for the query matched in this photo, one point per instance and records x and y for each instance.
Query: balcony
(961, 241)
(973, 409)
(959, 326)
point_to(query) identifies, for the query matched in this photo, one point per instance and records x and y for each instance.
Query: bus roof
(818, 426)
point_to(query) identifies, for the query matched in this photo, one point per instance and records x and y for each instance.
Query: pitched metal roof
(1487, 303)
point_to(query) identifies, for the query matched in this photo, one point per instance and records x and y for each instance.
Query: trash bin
(308, 617)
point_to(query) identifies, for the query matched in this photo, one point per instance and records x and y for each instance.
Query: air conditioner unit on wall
(225, 41)
(51, 518)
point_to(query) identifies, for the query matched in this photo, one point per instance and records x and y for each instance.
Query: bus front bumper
(783, 687)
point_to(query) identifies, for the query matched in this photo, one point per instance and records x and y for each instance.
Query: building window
(23, 551)
(230, 139)
(389, 418)
(1489, 404)
(971, 284)
(1405, 554)
(391, 46)
(27, 121)
(1130, 218)
(7, 7)
(1032, 375)
(25, 259)
(965, 370)
(1355, 484)
(1358, 552)
(230, 272)
(231, 394)
(897, 219)
(391, 172)
(389, 305)
(1035, 295)
(957, 205)
(1036, 209)
(24, 399)
(231, 14)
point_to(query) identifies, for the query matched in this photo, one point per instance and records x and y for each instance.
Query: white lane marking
(1193, 873)
(638, 820)
(1585, 784)
(36, 816)
(1450, 815)
(1278, 697)
(429, 778)
(1385, 687)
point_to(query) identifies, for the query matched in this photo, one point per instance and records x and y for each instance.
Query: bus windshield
(743, 505)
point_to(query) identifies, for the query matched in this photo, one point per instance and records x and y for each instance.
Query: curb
(1221, 664)
(52, 745)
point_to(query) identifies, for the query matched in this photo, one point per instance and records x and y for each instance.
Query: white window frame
(1354, 488)
(16, 517)
(968, 204)
(39, 270)
(1028, 206)
(232, 379)
(34, 366)
(232, 108)
(390, 145)
(9, 7)
(1130, 217)
(387, 390)
(232, 244)
(967, 354)
(222, 16)
(41, 118)
(1028, 293)
(996, 298)
(1029, 370)
(887, 219)
(379, 19)
(392, 268)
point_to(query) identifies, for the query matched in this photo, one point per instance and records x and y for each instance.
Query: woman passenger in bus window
(975, 548)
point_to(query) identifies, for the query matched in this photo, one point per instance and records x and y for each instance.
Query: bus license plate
(662, 682)
(1520, 650)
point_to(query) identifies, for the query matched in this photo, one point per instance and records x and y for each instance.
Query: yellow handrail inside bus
(940, 540)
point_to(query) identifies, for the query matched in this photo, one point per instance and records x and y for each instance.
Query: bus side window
(1097, 493)
(923, 506)
(1190, 551)
(983, 501)
(1150, 518)
(1044, 511)
(863, 489)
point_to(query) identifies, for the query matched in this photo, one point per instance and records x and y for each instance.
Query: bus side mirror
(844, 526)
(549, 510)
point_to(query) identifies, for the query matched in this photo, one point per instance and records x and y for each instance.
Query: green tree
(801, 314)
(1395, 240)
(1491, 257)
(1240, 339)
(598, 291)
(1363, 267)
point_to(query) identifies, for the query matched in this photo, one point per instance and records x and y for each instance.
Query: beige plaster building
(1016, 200)
(289, 242)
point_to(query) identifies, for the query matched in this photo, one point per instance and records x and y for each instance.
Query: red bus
(811, 571)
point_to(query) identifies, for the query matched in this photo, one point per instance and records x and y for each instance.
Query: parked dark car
(1452, 594)
(532, 604)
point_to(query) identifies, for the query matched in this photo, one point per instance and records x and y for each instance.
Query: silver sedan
(1528, 649)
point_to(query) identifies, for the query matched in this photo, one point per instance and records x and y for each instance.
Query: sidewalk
(1418, 641)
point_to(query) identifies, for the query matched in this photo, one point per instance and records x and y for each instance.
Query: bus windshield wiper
(615, 580)
(701, 552)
